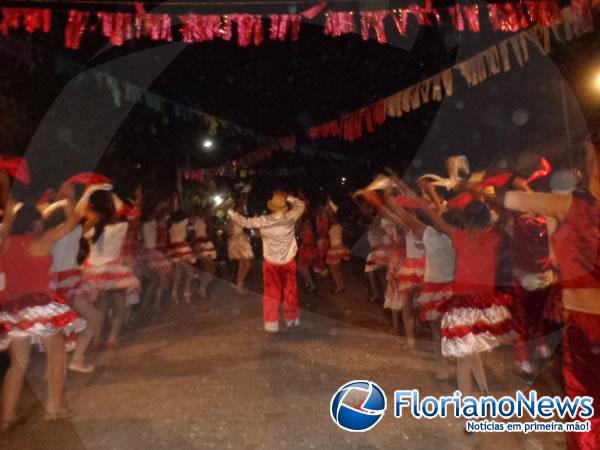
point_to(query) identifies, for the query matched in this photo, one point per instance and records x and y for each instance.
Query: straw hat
(277, 203)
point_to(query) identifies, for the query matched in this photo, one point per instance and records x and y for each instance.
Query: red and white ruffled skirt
(67, 284)
(181, 252)
(113, 276)
(410, 275)
(204, 248)
(337, 254)
(377, 258)
(157, 262)
(432, 299)
(475, 323)
(37, 316)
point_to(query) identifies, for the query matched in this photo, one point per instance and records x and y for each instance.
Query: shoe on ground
(271, 327)
(81, 367)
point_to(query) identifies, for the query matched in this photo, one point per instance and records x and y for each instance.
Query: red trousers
(581, 370)
(528, 319)
(279, 283)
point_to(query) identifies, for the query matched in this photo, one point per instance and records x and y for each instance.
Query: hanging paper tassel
(544, 13)
(581, 11)
(505, 17)
(76, 24)
(283, 25)
(421, 14)
(117, 27)
(373, 19)
(400, 18)
(200, 28)
(249, 29)
(338, 23)
(456, 17)
(154, 26)
(31, 19)
(472, 15)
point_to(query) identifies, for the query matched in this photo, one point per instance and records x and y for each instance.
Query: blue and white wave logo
(358, 406)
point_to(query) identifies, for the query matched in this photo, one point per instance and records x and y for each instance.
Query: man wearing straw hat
(277, 230)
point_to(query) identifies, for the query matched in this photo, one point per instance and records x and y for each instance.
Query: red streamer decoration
(400, 18)
(76, 25)
(30, 18)
(119, 27)
(456, 17)
(373, 19)
(283, 25)
(545, 13)
(508, 17)
(353, 126)
(338, 23)
(200, 28)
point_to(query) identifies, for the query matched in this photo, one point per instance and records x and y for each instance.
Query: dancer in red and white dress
(111, 282)
(437, 288)
(29, 312)
(277, 230)
(408, 278)
(477, 318)
(239, 249)
(206, 254)
(337, 253)
(159, 267)
(575, 244)
(66, 282)
(182, 256)
(380, 241)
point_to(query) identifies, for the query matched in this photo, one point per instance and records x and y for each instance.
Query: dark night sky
(281, 88)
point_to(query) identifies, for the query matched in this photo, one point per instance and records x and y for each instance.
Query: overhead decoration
(251, 29)
(574, 21)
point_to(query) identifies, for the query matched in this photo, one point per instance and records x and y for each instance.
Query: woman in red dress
(29, 312)
(477, 319)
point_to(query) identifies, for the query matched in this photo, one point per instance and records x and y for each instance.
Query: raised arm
(539, 203)
(247, 222)
(54, 234)
(438, 222)
(297, 209)
(403, 218)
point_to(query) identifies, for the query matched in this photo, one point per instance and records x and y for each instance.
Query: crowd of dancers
(487, 262)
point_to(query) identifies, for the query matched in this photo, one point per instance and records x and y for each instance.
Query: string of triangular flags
(576, 20)
(120, 27)
(120, 90)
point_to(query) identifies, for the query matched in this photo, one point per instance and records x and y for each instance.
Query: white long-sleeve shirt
(276, 229)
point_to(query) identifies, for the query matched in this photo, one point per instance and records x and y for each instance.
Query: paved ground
(207, 376)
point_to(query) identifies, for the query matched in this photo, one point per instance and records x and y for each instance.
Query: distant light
(217, 199)
(343, 180)
(597, 81)
(208, 143)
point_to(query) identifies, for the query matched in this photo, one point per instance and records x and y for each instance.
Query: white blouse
(108, 247)
(65, 250)
(178, 231)
(149, 234)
